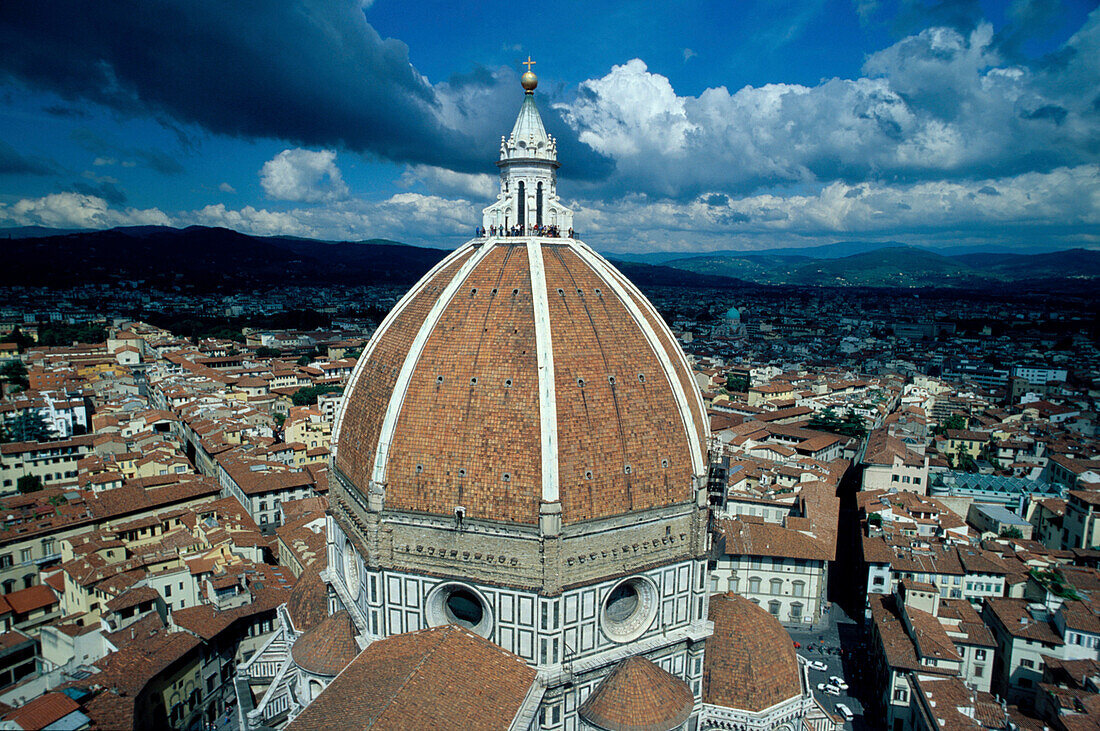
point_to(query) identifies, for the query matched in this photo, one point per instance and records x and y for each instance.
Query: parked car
(828, 688)
(838, 682)
(818, 665)
(845, 711)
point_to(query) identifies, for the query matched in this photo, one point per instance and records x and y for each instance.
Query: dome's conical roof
(638, 696)
(328, 647)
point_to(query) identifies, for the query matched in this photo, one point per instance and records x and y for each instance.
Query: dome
(638, 696)
(750, 662)
(733, 314)
(522, 371)
(328, 647)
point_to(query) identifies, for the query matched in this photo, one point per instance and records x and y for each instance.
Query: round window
(629, 609)
(351, 570)
(464, 608)
(459, 604)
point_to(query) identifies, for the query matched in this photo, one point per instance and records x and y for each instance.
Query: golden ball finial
(529, 80)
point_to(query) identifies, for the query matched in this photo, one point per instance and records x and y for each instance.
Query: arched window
(538, 205)
(754, 585)
(521, 203)
(776, 586)
(773, 608)
(798, 588)
(796, 612)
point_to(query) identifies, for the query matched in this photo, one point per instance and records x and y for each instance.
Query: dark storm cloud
(106, 190)
(12, 163)
(156, 160)
(313, 73)
(1051, 112)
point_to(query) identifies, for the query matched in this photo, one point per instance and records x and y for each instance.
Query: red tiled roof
(750, 659)
(308, 602)
(445, 677)
(42, 711)
(329, 647)
(27, 600)
(638, 696)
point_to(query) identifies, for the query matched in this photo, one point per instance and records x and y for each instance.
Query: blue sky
(686, 126)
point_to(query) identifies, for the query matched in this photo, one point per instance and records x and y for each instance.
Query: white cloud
(77, 210)
(936, 105)
(409, 217)
(303, 176)
(226, 188)
(630, 113)
(689, 54)
(446, 182)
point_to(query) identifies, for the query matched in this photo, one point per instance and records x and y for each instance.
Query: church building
(517, 533)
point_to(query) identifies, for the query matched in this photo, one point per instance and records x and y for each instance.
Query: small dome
(327, 648)
(638, 696)
(529, 81)
(308, 602)
(750, 660)
(733, 314)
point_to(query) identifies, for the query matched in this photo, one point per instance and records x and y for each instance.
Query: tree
(29, 483)
(15, 373)
(304, 360)
(737, 383)
(853, 426)
(956, 422)
(265, 352)
(308, 396)
(280, 419)
(826, 420)
(29, 426)
(22, 341)
(1011, 532)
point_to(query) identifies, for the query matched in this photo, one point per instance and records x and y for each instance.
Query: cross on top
(528, 63)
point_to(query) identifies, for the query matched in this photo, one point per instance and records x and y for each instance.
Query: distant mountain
(903, 266)
(1071, 263)
(35, 232)
(205, 259)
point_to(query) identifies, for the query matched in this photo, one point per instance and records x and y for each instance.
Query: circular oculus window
(459, 604)
(629, 608)
(351, 570)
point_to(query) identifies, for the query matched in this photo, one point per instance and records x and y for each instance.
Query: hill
(902, 266)
(205, 259)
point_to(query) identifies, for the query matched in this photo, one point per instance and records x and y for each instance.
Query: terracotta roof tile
(329, 647)
(638, 696)
(470, 418)
(308, 602)
(423, 680)
(750, 659)
(42, 711)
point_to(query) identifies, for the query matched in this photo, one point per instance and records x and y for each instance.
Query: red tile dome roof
(520, 371)
(750, 660)
(327, 648)
(638, 696)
